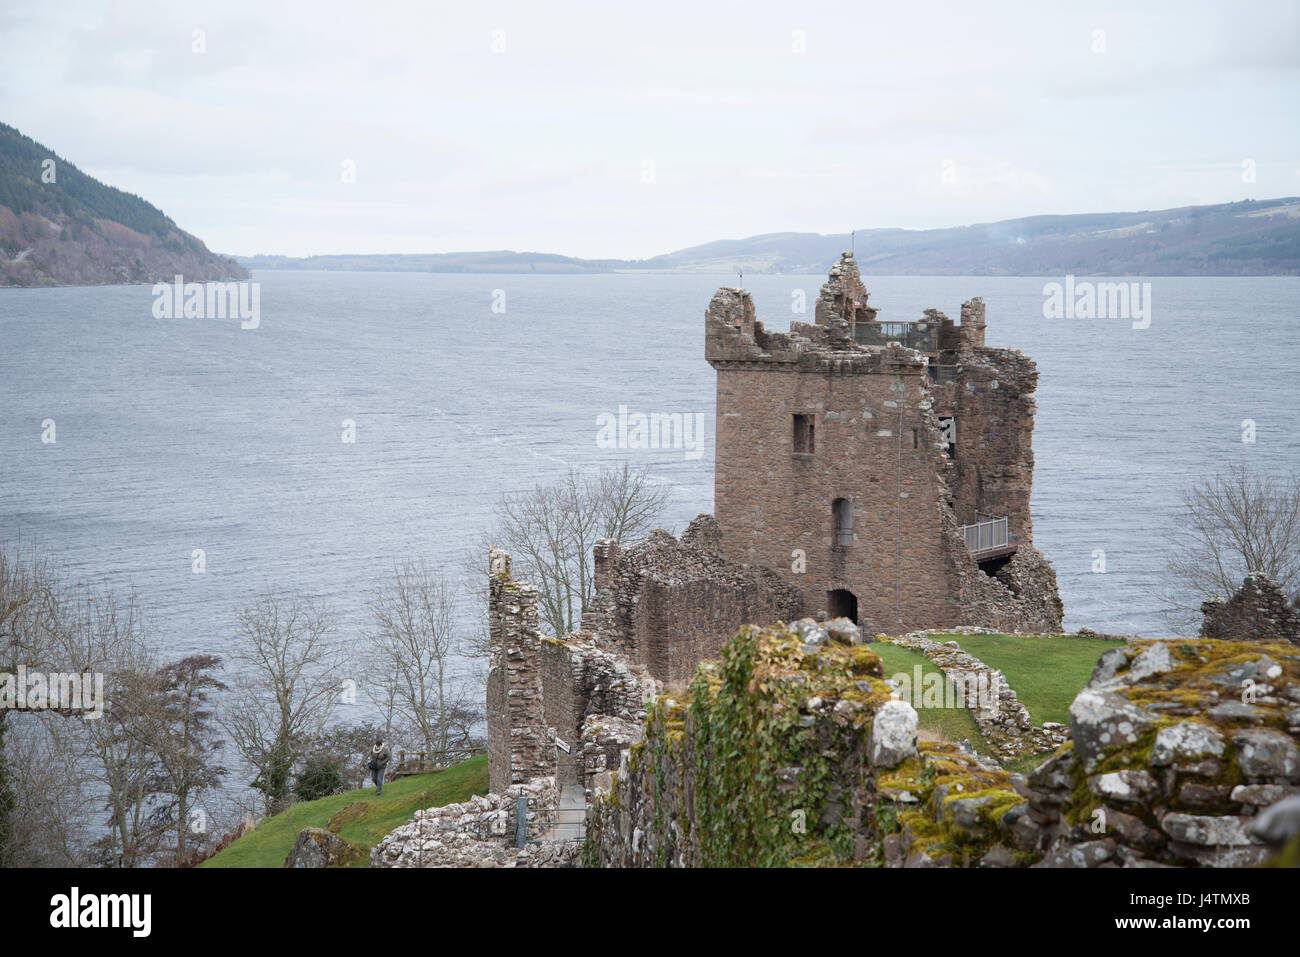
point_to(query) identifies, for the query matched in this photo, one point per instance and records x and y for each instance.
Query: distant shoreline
(1248, 238)
(650, 272)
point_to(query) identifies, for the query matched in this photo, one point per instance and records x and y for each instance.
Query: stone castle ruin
(875, 476)
(878, 472)
(883, 469)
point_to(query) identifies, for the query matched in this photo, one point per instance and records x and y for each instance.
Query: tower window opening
(842, 510)
(804, 434)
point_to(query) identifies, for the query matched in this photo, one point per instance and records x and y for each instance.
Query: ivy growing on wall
(763, 762)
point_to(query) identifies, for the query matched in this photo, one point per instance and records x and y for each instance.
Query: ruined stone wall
(564, 703)
(480, 832)
(1021, 596)
(1259, 611)
(668, 605)
(682, 623)
(993, 469)
(1166, 766)
(973, 324)
(519, 749)
(581, 681)
(541, 691)
(498, 726)
(767, 761)
(842, 302)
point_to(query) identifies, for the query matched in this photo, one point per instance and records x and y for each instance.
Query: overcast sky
(536, 125)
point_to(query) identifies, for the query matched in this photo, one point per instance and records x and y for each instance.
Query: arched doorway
(842, 603)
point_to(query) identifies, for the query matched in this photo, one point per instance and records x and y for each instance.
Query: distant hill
(1233, 239)
(1249, 238)
(75, 231)
(497, 261)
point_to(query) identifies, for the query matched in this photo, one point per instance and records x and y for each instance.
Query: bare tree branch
(286, 689)
(413, 651)
(1237, 522)
(550, 531)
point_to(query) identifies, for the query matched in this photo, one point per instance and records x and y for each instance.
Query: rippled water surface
(174, 435)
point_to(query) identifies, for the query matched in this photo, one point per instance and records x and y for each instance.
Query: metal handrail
(986, 535)
(922, 336)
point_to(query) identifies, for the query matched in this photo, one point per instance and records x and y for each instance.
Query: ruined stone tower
(518, 747)
(883, 469)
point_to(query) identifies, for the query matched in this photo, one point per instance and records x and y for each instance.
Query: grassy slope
(1045, 672)
(271, 842)
(948, 724)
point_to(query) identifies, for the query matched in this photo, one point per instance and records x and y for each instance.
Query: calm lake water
(180, 434)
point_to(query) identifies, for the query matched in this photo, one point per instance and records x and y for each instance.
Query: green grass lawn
(1046, 673)
(270, 843)
(947, 724)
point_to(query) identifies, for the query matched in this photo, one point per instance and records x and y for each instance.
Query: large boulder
(1186, 741)
(893, 734)
(1266, 755)
(317, 847)
(843, 631)
(1103, 721)
(1279, 823)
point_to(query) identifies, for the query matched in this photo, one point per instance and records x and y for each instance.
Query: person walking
(378, 762)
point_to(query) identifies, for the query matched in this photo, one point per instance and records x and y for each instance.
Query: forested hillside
(59, 227)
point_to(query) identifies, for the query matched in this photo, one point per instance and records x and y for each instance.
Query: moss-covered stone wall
(1177, 749)
(764, 762)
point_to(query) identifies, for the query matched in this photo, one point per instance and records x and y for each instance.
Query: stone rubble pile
(480, 833)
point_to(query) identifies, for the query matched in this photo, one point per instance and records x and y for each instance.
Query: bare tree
(88, 650)
(550, 530)
(28, 606)
(81, 635)
(628, 503)
(183, 739)
(52, 813)
(285, 692)
(26, 612)
(472, 571)
(411, 671)
(101, 635)
(1237, 522)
